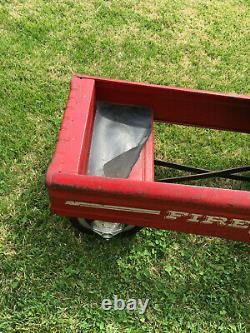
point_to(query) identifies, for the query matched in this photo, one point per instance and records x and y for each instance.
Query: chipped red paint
(139, 200)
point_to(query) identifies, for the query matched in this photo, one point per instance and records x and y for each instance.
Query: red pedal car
(102, 171)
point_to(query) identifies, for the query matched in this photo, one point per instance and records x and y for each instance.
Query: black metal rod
(202, 173)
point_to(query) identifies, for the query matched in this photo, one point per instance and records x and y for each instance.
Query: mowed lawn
(51, 278)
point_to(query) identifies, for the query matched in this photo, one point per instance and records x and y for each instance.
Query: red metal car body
(139, 200)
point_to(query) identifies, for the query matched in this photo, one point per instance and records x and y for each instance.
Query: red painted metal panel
(73, 143)
(180, 106)
(221, 203)
(199, 210)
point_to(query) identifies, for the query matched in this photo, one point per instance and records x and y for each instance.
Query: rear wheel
(106, 230)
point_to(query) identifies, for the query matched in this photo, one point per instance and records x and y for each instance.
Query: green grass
(53, 280)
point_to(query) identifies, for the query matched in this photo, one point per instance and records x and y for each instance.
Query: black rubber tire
(130, 233)
(77, 225)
